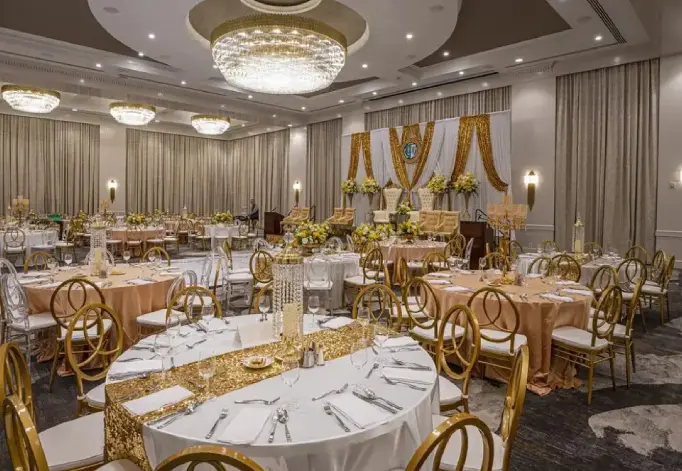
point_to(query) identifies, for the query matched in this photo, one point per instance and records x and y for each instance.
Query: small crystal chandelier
(29, 99)
(132, 114)
(209, 124)
(279, 54)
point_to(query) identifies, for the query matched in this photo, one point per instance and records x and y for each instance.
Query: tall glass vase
(467, 214)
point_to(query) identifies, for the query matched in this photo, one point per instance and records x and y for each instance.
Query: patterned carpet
(630, 429)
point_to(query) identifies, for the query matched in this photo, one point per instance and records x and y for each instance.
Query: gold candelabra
(506, 217)
(19, 207)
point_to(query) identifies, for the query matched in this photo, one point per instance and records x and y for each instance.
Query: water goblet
(163, 347)
(291, 372)
(206, 365)
(52, 266)
(358, 357)
(68, 259)
(313, 307)
(264, 307)
(126, 256)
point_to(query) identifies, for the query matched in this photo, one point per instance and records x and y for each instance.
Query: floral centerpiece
(367, 232)
(310, 235)
(32, 216)
(467, 185)
(369, 187)
(222, 217)
(349, 188)
(136, 219)
(385, 231)
(404, 208)
(409, 230)
(438, 186)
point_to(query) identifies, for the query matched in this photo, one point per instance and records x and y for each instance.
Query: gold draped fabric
(424, 145)
(360, 140)
(466, 128)
(123, 431)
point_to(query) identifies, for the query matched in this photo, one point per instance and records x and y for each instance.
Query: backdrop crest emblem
(410, 151)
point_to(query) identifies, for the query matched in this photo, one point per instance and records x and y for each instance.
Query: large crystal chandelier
(132, 114)
(29, 99)
(209, 124)
(282, 54)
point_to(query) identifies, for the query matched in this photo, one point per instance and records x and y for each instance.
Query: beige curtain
(323, 167)
(169, 171)
(607, 154)
(55, 164)
(485, 101)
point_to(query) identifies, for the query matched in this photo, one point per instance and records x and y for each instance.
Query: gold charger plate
(257, 362)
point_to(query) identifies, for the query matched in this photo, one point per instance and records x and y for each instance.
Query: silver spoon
(333, 391)
(283, 417)
(372, 395)
(409, 363)
(404, 383)
(328, 410)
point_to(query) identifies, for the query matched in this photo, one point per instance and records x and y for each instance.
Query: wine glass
(68, 259)
(163, 347)
(52, 266)
(173, 325)
(264, 307)
(126, 256)
(358, 357)
(206, 365)
(291, 372)
(363, 317)
(313, 306)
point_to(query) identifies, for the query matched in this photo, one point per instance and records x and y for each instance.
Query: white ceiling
(181, 54)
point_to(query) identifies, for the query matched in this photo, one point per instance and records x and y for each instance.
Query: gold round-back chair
(260, 265)
(382, 303)
(15, 376)
(496, 260)
(592, 248)
(604, 277)
(193, 299)
(542, 263)
(39, 259)
(434, 262)
(455, 247)
(549, 246)
(423, 323)
(565, 267)
(657, 266)
(637, 251)
(159, 252)
(209, 456)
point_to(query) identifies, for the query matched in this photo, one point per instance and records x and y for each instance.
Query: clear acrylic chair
(317, 278)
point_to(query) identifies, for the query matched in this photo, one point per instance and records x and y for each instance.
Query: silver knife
(374, 367)
(271, 438)
(378, 404)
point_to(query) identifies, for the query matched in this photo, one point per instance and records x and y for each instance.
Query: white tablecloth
(34, 240)
(341, 266)
(318, 442)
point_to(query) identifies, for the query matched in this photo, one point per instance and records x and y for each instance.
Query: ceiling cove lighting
(210, 124)
(30, 99)
(132, 114)
(278, 54)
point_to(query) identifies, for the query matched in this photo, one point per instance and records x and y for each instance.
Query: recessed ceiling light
(414, 84)
(440, 93)
(409, 36)
(74, 109)
(267, 129)
(82, 80)
(98, 65)
(341, 101)
(159, 94)
(400, 101)
(518, 60)
(289, 125)
(374, 93)
(243, 124)
(461, 72)
(250, 97)
(157, 121)
(141, 54)
(303, 107)
(616, 60)
(151, 36)
(274, 115)
(338, 115)
(598, 37)
(222, 106)
(110, 10)
(183, 83)
(367, 108)
(364, 66)
(446, 53)
(485, 84)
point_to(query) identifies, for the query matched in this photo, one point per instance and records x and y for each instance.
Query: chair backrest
(630, 271)
(515, 249)
(208, 456)
(513, 402)
(429, 220)
(633, 306)
(386, 302)
(14, 301)
(463, 346)
(23, 442)
(637, 251)
(260, 265)
(459, 426)
(228, 251)
(489, 304)
(373, 265)
(604, 277)
(261, 294)
(403, 272)
(423, 295)
(338, 213)
(467, 251)
(133, 234)
(186, 278)
(185, 297)
(334, 243)
(657, 266)
(540, 265)
(392, 196)
(79, 292)
(449, 222)
(565, 267)
(668, 273)
(39, 259)
(607, 314)
(15, 376)
(549, 246)
(6, 265)
(14, 237)
(433, 262)
(317, 270)
(496, 260)
(349, 215)
(89, 344)
(349, 243)
(594, 249)
(455, 247)
(303, 213)
(109, 258)
(159, 252)
(426, 198)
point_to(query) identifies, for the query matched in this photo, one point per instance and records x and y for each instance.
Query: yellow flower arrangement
(136, 219)
(222, 217)
(466, 183)
(369, 186)
(437, 184)
(309, 233)
(404, 208)
(365, 232)
(409, 229)
(349, 187)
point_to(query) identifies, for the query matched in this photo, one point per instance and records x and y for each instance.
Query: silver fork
(404, 383)
(223, 414)
(262, 401)
(333, 391)
(189, 410)
(410, 364)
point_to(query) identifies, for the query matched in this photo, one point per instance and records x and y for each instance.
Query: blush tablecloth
(409, 252)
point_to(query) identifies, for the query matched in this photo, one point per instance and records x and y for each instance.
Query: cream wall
(298, 147)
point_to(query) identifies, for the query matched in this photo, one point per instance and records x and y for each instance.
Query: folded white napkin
(51, 285)
(240, 270)
(396, 342)
(458, 289)
(534, 275)
(138, 281)
(440, 274)
(565, 283)
(133, 367)
(555, 297)
(582, 292)
(466, 272)
(246, 425)
(415, 376)
(337, 323)
(357, 411)
(214, 325)
(439, 282)
(497, 272)
(30, 281)
(157, 400)
(33, 274)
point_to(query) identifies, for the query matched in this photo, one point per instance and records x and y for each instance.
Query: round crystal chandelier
(29, 99)
(279, 54)
(132, 114)
(210, 124)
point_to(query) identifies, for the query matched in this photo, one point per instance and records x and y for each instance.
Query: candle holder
(506, 217)
(287, 279)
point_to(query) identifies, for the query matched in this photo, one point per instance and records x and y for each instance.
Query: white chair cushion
(138, 242)
(449, 392)
(428, 334)
(618, 330)
(501, 347)
(653, 290)
(40, 321)
(170, 239)
(153, 241)
(414, 308)
(380, 217)
(239, 277)
(627, 296)
(359, 280)
(318, 285)
(14, 249)
(250, 234)
(196, 300)
(74, 444)
(415, 265)
(650, 283)
(95, 396)
(156, 318)
(474, 451)
(578, 338)
(113, 241)
(120, 465)
(64, 244)
(92, 331)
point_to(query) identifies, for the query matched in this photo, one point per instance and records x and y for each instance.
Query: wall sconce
(112, 185)
(531, 180)
(297, 191)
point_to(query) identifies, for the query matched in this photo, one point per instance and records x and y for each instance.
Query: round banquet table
(121, 233)
(587, 270)
(129, 300)
(538, 317)
(318, 443)
(409, 252)
(34, 240)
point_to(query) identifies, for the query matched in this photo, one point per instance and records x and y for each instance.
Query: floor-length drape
(169, 171)
(323, 167)
(607, 154)
(55, 164)
(485, 101)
